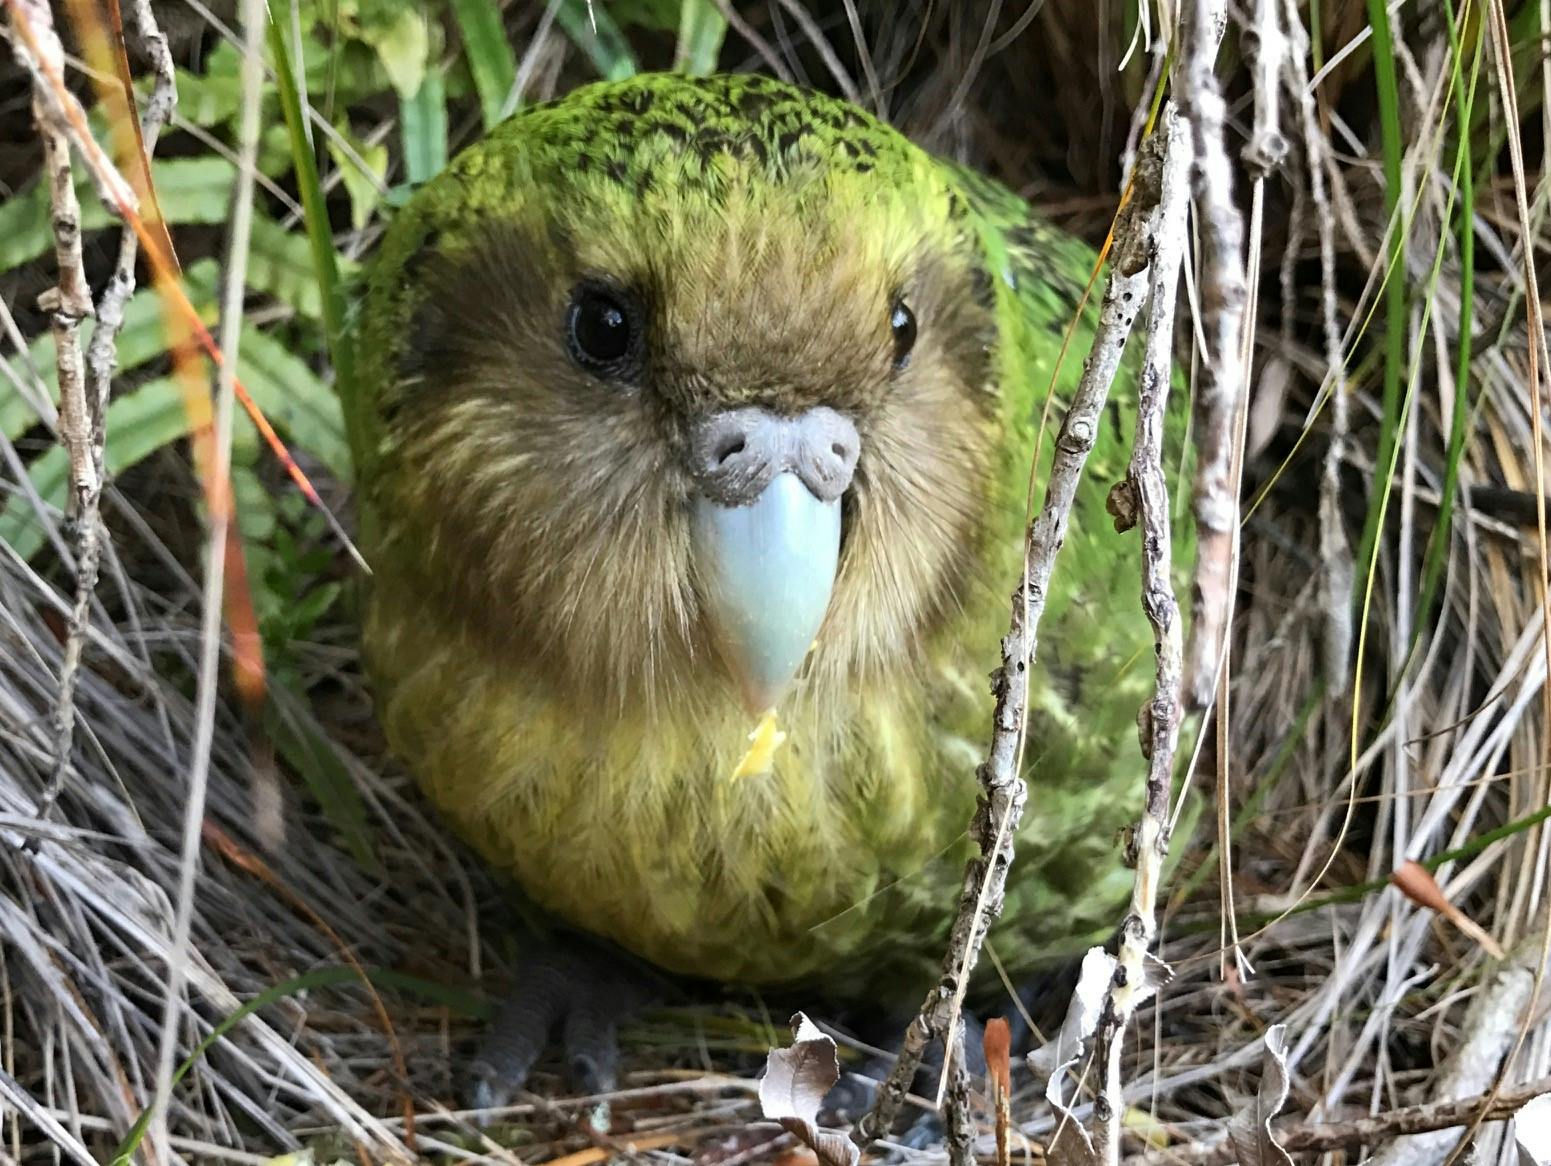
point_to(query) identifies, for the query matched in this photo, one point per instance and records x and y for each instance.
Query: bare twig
(1413, 1119)
(1266, 47)
(1003, 789)
(37, 49)
(101, 361)
(961, 1126)
(1159, 718)
(67, 304)
(1222, 391)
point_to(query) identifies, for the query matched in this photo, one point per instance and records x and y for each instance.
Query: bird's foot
(565, 986)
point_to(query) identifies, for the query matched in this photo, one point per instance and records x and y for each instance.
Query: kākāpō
(681, 400)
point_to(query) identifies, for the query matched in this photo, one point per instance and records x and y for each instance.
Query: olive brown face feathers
(607, 348)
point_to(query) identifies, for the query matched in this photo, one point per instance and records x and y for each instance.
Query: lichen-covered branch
(1147, 495)
(1003, 791)
(1266, 46)
(85, 378)
(67, 303)
(1223, 386)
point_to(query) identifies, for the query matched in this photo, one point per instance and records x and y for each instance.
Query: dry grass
(1450, 737)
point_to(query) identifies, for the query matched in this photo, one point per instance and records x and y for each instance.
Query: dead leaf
(1071, 1145)
(1532, 1131)
(1250, 1129)
(1268, 405)
(793, 1088)
(1416, 883)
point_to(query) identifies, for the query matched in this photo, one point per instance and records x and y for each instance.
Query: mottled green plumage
(536, 632)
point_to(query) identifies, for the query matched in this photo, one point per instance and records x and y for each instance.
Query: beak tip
(759, 699)
(771, 567)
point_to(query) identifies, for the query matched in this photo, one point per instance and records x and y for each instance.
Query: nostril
(729, 450)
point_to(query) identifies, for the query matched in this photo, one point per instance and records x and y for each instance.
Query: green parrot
(693, 438)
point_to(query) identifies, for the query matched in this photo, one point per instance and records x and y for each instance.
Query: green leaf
(423, 125)
(702, 27)
(401, 37)
(296, 402)
(308, 751)
(254, 505)
(191, 190)
(16, 414)
(24, 229)
(491, 60)
(212, 97)
(280, 263)
(594, 32)
(365, 189)
(138, 424)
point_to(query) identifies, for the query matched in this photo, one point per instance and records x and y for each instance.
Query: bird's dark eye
(902, 322)
(601, 331)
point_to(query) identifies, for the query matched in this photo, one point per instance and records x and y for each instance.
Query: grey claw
(571, 986)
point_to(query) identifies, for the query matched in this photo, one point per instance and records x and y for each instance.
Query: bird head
(682, 386)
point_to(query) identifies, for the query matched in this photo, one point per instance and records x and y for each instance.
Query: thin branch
(1223, 383)
(1266, 46)
(1146, 495)
(101, 362)
(67, 304)
(1004, 791)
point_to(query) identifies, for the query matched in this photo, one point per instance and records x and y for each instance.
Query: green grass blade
(702, 28)
(593, 31)
(1465, 235)
(289, 724)
(315, 211)
(491, 60)
(1395, 286)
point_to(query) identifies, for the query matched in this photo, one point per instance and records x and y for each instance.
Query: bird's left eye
(601, 331)
(902, 322)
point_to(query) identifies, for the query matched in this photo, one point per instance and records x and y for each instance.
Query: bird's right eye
(602, 331)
